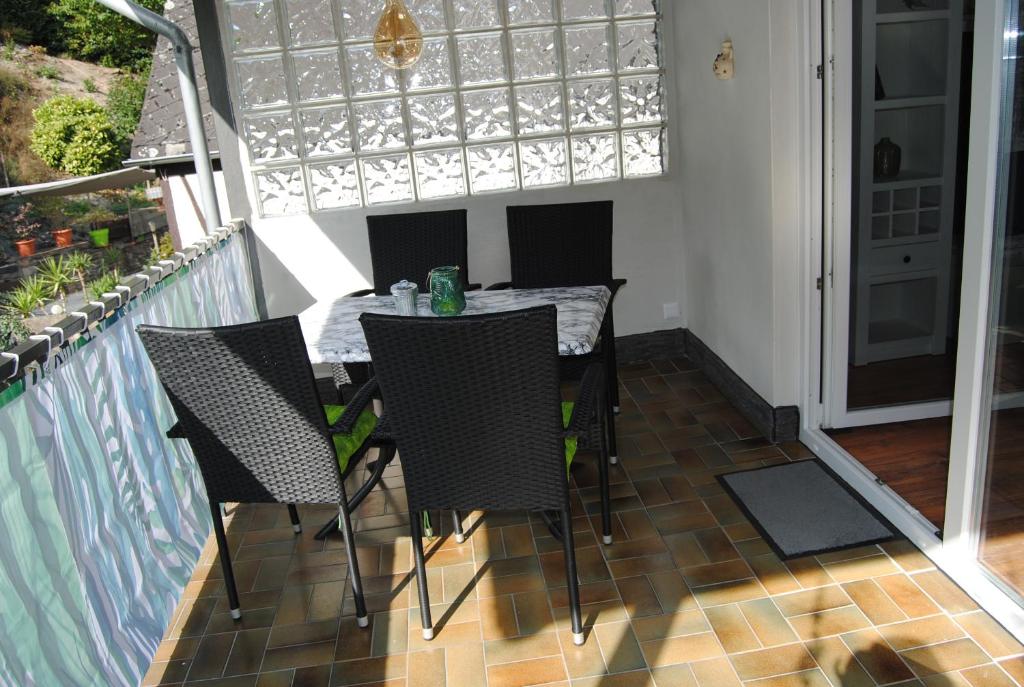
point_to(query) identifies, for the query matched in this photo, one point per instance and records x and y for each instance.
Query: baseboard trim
(776, 423)
(638, 348)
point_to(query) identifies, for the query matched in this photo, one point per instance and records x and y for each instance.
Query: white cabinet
(903, 225)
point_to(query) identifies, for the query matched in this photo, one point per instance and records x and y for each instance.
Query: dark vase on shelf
(887, 159)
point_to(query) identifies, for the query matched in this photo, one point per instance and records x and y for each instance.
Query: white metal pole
(189, 99)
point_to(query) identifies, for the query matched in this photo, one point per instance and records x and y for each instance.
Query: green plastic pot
(100, 238)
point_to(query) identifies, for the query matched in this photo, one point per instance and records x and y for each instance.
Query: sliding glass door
(1001, 444)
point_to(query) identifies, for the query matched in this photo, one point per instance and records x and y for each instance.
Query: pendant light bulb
(398, 40)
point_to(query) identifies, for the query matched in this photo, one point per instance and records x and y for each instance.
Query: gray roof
(162, 133)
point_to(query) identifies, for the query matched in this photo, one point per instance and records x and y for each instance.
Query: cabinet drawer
(906, 258)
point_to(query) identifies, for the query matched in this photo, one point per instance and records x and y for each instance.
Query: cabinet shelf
(911, 17)
(907, 178)
(910, 102)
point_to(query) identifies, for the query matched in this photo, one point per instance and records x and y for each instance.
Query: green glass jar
(447, 297)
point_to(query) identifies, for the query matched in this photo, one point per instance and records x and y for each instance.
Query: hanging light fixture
(398, 40)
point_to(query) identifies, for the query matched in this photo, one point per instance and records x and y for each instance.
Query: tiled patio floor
(689, 595)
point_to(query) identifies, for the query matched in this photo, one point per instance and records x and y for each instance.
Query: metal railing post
(189, 98)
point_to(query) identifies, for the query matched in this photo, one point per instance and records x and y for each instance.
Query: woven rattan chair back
(246, 400)
(408, 246)
(568, 244)
(473, 405)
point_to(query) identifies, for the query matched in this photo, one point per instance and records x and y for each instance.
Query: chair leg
(225, 561)
(415, 525)
(570, 573)
(345, 523)
(613, 450)
(293, 513)
(460, 536)
(613, 362)
(602, 470)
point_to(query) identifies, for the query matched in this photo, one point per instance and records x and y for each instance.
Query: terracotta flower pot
(62, 237)
(26, 247)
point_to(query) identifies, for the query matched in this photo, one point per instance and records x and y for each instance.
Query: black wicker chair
(568, 244)
(473, 404)
(247, 403)
(408, 246)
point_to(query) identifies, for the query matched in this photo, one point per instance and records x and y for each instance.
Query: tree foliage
(124, 105)
(75, 135)
(94, 33)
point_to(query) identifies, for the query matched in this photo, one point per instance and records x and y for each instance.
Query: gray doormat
(804, 508)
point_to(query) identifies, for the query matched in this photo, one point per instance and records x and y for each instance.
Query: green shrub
(75, 136)
(163, 250)
(12, 329)
(90, 86)
(112, 258)
(124, 106)
(104, 284)
(27, 298)
(79, 264)
(55, 275)
(9, 49)
(94, 33)
(48, 71)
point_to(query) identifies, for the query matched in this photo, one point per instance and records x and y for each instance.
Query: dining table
(333, 333)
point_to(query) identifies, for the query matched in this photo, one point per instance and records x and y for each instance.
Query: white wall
(309, 257)
(739, 149)
(184, 199)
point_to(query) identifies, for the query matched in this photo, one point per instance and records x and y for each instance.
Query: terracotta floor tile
(687, 580)
(521, 648)
(636, 678)
(619, 646)
(921, 632)
(805, 678)
(732, 629)
(664, 652)
(873, 602)
(427, 669)
(715, 672)
(773, 574)
(940, 658)
(771, 662)
(833, 621)
(877, 657)
(944, 592)
(811, 601)
(838, 663)
(907, 595)
(729, 592)
(989, 675)
(539, 671)
(989, 634)
(767, 623)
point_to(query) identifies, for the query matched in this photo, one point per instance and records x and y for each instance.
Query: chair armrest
(359, 294)
(382, 432)
(500, 286)
(176, 432)
(587, 402)
(474, 287)
(616, 285)
(363, 398)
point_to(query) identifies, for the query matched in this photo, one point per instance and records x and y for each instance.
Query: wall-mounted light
(398, 40)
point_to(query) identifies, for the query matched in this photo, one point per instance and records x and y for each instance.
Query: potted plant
(55, 275)
(99, 237)
(62, 237)
(24, 228)
(79, 264)
(27, 298)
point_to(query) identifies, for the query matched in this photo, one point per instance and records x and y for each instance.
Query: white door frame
(838, 204)
(956, 553)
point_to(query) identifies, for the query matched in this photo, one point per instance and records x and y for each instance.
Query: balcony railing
(102, 515)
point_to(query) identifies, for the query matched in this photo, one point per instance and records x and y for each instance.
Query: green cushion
(570, 442)
(345, 445)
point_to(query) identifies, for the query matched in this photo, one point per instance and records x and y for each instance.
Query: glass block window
(508, 95)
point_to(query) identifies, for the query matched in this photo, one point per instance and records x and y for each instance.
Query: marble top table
(333, 333)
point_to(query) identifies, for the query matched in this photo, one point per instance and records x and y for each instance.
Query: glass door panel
(1002, 528)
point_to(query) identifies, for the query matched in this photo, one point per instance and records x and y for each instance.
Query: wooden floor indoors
(689, 595)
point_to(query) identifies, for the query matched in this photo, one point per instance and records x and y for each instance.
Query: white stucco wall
(739, 147)
(183, 198)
